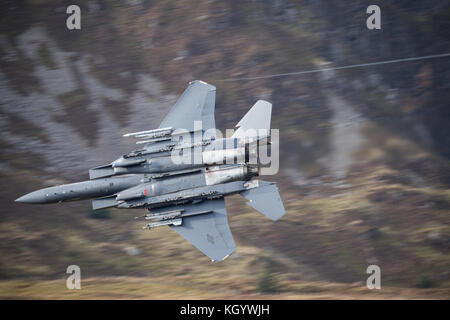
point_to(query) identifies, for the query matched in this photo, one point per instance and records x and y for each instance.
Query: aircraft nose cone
(32, 197)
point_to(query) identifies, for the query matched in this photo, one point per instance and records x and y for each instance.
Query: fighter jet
(183, 172)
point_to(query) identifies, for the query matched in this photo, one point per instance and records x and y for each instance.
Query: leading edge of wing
(209, 232)
(197, 103)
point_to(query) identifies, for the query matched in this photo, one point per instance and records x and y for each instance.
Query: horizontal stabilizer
(265, 198)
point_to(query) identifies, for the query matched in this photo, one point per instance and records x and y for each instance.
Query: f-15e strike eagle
(183, 173)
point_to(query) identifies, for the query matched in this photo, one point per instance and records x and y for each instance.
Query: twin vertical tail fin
(255, 125)
(261, 195)
(264, 197)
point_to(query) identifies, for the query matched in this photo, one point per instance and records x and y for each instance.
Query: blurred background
(364, 170)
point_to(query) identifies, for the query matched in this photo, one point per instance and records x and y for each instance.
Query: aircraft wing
(208, 232)
(195, 104)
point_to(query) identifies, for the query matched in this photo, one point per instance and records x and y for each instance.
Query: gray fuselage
(82, 190)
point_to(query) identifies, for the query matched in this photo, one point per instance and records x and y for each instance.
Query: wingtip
(203, 83)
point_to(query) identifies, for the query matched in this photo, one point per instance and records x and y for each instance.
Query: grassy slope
(166, 288)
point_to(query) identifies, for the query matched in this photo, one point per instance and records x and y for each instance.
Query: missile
(174, 222)
(152, 140)
(154, 133)
(174, 217)
(165, 216)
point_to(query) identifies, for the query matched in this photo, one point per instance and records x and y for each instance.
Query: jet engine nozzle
(224, 156)
(223, 174)
(253, 171)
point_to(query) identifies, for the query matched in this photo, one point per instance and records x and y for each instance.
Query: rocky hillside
(365, 169)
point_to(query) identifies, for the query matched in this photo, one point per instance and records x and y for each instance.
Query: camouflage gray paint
(183, 173)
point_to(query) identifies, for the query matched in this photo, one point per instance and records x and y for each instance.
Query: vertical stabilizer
(256, 122)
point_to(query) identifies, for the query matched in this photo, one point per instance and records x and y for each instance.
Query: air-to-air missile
(183, 172)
